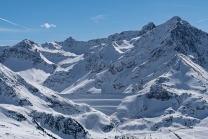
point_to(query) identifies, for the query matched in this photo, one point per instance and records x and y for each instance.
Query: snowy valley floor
(106, 103)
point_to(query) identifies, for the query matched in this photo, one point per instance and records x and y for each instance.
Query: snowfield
(151, 83)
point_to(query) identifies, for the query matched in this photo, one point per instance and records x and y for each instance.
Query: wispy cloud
(10, 40)
(202, 20)
(46, 25)
(98, 17)
(10, 30)
(5, 20)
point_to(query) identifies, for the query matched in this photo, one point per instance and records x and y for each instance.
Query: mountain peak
(175, 18)
(176, 21)
(70, 39)
(148, 26)
(25, 43)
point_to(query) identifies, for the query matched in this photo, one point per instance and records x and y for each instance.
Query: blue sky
(56, 20)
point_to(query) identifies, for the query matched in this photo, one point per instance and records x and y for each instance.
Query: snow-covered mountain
(150, 83)
(25, 105)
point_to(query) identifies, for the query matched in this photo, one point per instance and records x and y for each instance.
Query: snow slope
(36, 107)
(150, 83)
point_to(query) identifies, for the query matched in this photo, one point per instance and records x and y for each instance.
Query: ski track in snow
(106, 103)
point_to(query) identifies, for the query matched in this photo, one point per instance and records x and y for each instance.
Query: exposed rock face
(64, 125)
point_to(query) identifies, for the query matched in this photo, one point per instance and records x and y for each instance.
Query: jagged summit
(69, 42)
(175, 18)
(70, 39)
(25, 55)
(25, 42)
(149, 26)
(125, 34)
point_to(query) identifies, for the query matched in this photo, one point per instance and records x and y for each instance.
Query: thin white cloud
(46, 25)
(202, 20)
(10, 40)
(98, 17)
(13, 23)
(9, 30)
